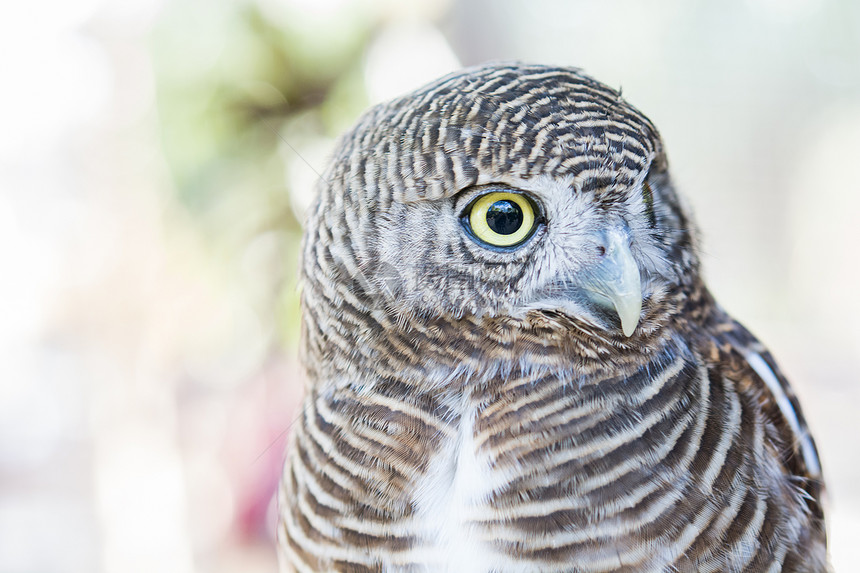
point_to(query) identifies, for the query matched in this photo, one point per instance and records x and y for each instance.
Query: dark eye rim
(539, 218)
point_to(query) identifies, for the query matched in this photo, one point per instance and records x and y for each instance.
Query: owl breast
(539, 471)
(450, 500)
(540, 474)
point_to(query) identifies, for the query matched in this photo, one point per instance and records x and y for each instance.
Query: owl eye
(501, 219)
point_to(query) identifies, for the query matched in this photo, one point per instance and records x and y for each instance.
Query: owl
(513, 361)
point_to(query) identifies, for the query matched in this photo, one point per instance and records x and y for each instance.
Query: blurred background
(156, 157)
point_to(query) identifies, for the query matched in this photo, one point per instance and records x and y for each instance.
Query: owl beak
(614, 281)
(610, 281)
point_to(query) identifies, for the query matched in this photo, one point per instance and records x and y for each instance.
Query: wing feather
(752, 367)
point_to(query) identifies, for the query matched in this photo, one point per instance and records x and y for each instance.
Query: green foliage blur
(241, 94)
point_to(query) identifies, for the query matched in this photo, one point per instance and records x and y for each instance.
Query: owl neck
(348, 335)
(439, 353)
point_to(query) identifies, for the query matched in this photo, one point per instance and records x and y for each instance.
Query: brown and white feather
(451, 426)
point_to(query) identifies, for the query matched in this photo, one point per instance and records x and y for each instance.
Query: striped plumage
(469, 409)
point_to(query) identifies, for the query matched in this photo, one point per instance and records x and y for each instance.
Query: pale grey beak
(615, 281)
(611, 282)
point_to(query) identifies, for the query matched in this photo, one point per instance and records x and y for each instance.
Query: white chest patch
(448, 498)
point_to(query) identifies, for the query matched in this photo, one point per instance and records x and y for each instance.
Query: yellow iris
(502, 219)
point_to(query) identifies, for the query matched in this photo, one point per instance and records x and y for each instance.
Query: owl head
(512, 193)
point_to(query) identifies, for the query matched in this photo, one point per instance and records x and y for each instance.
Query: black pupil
(505, 217)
